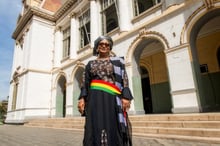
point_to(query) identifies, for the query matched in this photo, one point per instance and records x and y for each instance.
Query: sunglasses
(106, 44)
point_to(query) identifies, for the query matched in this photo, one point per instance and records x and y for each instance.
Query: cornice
(35, 11)
(67, 5)
(32, 11)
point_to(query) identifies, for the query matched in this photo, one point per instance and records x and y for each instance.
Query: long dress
(102, 126)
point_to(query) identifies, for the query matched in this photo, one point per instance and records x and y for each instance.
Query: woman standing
(107, 97)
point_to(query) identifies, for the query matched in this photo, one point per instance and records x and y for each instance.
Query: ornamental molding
(208, 3)
(144, 34)
(65, 7)
(44, 14)
(194, 17)
(32, 11)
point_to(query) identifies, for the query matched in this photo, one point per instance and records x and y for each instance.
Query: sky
(9, 11)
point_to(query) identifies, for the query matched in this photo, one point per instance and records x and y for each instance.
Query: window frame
(136, 8)
(84, 28)
(66, 42)
(15, 93)
(106, 6)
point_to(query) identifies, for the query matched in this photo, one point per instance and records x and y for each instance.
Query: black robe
(105, 124)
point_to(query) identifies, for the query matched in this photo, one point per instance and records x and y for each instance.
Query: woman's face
(104, 47)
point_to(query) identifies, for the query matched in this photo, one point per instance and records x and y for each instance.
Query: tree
(3, 110)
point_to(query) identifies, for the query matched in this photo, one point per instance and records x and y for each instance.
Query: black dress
(102, 126)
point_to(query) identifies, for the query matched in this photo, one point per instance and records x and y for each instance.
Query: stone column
(95, 22)
(69, 100)
(124, 10)
(182, 81)
(57, 47)
(137, 106)
(74, 41)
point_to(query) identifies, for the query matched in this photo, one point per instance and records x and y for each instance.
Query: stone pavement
(18, 135)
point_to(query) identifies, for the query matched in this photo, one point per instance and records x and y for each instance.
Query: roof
(52, 5)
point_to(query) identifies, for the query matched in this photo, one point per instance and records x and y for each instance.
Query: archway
(146, 90)
(77, 80)
(204, 43)
(148, 57)
(61, 97)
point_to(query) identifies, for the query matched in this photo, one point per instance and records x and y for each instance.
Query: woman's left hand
(125, 104)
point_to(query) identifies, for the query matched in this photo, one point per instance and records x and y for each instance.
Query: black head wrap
(96, 43)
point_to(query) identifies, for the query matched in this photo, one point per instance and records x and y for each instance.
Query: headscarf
(100, 38)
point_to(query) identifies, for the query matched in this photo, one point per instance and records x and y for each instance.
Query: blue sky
(9, 11)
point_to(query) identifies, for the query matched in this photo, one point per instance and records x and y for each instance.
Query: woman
(107, 97)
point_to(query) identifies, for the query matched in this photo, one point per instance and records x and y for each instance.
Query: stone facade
(171, 49)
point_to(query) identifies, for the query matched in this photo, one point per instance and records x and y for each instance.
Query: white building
(171, 50)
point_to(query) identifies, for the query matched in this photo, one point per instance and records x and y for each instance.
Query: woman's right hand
(81, 106)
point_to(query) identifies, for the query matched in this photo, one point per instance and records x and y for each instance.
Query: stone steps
(178, 124)
(60, 123)
(201, 126)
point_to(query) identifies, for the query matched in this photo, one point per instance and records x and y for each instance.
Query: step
(178, 131)
(205, 126)
(177, 117)
(178, 124)
(210, 140)
(74, 123)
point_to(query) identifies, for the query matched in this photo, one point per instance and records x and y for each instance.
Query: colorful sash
(105, 86)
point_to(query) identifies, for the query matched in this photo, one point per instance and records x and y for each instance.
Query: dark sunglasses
(106, 44)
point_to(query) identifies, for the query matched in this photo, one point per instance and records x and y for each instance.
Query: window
(66, 42)
(15, 92)
(84, 29)
(109, 15)
(204, 68)
(142, 5)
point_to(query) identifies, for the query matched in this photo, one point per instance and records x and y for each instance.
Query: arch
(206, 75)
(198, 16)
(149, 69)
(146, 35)
(60, 104)
(57, 78)
(146, 88)
(15, 90)
(145, 51)
(76, 78)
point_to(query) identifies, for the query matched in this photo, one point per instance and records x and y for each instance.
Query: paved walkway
(11, 135)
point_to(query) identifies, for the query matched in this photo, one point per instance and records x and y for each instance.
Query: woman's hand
(125, 104)
(81, 106)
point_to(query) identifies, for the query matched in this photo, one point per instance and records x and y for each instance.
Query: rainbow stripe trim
(105, 86)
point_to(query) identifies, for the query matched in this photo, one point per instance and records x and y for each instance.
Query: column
(57, 47)
(74, 41)
(137, 106)
(125, 11)
(95, 21)
(184, 92)
(69, 100)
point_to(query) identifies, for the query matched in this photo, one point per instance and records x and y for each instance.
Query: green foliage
(3, 111)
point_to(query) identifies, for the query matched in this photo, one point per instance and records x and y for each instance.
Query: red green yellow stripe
(105, 86)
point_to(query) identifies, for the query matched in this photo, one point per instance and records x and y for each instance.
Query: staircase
(75, 123)
(201, 127)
